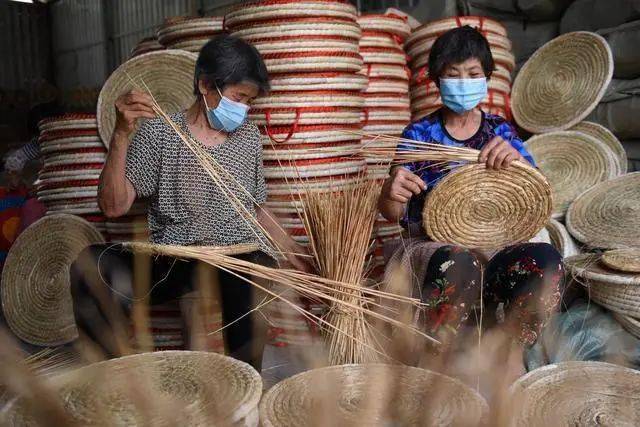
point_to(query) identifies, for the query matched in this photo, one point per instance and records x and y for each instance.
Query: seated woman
(524, 279)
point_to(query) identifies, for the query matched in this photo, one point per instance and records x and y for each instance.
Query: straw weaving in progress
(476, 207)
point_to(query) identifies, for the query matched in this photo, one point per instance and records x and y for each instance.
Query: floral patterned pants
(521, 282)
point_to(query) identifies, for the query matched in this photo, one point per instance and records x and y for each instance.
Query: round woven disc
(36, 298)
(204, 388)
(561, 239)
(608, 215)
(577, 394)
(167, 73)
(603, 134)
(572, 162)
(623, 259)
(371, 395)
(476, 207)
(562, 82)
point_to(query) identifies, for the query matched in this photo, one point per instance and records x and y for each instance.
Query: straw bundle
(36, 297)
(73, 157)
(312, 54)
(371, 395)
(425, 97)
(476, 207)
(173, 90)
(189, 33)
(576, 393)
(603, 134)
(608, 215)
(615, 290)
(170, 387)
(573, 162)
(562, 82)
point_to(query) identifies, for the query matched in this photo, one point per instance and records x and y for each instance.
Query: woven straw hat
(476, 207)
(308, 99)
(608, 215)
(303, 27)
(423, 46)
(630, 324)
(36, 299)
(168, 74)
(331, 61)
(289, 188)
(207, 389)
(572, 162)
(312, 168)
(561, 239)
(436, 28)
(305, 116)
(388, 23)
(303, 44)
(615, 290)
(74, 121)
(372, 395)
(562, 82)
(318, 82)
(383, 55)
(576, 393)
(175, 30)
(146, 45)
(500, 55)
(279, 9)
(603, 134)
(377, 85)
(386, 71)
(627, 260)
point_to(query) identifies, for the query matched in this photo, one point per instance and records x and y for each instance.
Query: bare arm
(396, 192)
(116, 193)
(284, 241)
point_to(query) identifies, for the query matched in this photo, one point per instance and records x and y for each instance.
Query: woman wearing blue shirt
(524, 279)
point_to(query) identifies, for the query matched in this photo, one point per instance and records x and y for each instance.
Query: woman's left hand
(498, 154)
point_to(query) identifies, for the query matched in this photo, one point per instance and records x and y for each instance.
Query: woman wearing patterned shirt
(524, 279)
(185, 206)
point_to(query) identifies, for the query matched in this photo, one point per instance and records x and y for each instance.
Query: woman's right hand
(401, 185)
(130, 107)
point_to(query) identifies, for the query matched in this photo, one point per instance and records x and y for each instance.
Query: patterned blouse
(186, 207)
(431, 129)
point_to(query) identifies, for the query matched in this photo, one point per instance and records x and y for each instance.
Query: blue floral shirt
(431, 129)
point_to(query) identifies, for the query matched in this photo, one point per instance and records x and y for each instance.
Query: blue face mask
(228, 115)
(460, 95)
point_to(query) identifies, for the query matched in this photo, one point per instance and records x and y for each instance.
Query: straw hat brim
(573, 162)
(605, 135)
(36, 297)
(607, 216)
(168, 74)
(345, 395)
(208, 389)
(562, 82)
(476, 207)
(576, 393)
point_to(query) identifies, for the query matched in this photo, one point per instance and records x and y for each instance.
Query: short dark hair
(456, 46)
(228, 60)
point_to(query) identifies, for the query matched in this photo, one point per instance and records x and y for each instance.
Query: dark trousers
(524, 279)
(106, 279)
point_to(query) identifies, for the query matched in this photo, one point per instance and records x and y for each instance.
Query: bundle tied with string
(312, 55)
(371, 395)
(425, 96)
(36, 295)
(169, 387)
(607, 216)
(573, 162)
(562, 82)
(576, 393)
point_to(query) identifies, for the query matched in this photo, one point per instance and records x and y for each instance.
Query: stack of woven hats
(146, 45)
(387, 107)
(425, 97)
(73, 157)
(189, 33)
(312, 55)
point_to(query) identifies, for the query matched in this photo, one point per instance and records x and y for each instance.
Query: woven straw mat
(608, 215)
(36, 298)
(371, 395)
(168, 74)
(476, 207)
(605, 135)
(191, 388)
(623, 259)
(577, 394)
(572, 162)
(562, 82)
